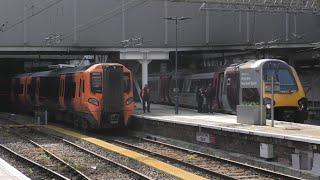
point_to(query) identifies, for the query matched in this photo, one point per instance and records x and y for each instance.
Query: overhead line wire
(101, 19)
(30, 16)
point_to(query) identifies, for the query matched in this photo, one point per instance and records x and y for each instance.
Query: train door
(37, 97)
(194, 86)
(70, 91)
(231, 89)
(61, 92)
(22, 90)
(185, 95)
(217, 86)
(224, 96)
(32, 90)
(221, 77)
(28, 91)
(79, 88)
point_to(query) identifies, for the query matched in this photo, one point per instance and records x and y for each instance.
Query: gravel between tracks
(191, 158)
(24, 167)
(93, 167)
(136, 165)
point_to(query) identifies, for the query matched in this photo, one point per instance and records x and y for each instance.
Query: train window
(83, 86)
(73, 89)
(19, 89)
(63, 88)
(80, 86)
(126, 82)
(185, 85)
(60, 88)
(96, 82)
(70, 89)
(180, 84)
(228, 81)
(195, 84)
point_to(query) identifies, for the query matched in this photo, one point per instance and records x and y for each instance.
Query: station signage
(249, 78)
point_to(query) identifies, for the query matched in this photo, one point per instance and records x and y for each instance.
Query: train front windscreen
(283, 78)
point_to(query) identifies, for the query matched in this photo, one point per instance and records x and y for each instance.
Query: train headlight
(130, 100)
(267, 103)
(93, 101)
(303, 103)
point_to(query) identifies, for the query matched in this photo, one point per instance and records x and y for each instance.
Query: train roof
(64, 70)
(258, 63)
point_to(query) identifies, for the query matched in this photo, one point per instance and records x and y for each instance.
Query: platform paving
(7, 172)
(226, 122)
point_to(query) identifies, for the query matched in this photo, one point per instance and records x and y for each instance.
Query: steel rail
(198, 168)
(258, 169)
(74, 170)
(140, 175)
(52, 173)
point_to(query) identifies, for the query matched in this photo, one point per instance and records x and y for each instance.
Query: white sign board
(249, 78)
(203, 137)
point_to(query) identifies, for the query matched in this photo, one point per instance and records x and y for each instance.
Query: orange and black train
(98, 96)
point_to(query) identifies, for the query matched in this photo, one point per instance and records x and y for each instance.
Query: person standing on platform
(145, 95)
(210, 95)
(205, 100)
(199, 99)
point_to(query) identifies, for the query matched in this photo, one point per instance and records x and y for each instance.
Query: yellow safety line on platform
(17, 126)
(179, 173)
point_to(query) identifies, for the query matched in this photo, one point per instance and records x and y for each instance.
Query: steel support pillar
(144, 63)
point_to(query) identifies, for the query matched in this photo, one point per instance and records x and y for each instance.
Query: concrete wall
(142, 19)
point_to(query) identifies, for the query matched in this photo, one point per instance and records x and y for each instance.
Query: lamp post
(176, 90)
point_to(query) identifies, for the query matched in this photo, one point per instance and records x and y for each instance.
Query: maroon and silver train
(290, 102)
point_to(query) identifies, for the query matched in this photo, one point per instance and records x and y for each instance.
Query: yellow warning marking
(18, 126)
(179, 173)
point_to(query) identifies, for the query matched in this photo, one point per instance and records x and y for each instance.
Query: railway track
(215, 166)
(210, 166)
(84, 161)
(30, 168)
(44, 156)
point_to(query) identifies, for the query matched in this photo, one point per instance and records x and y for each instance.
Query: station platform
(289, 144)
(8, 172)
(227, 122)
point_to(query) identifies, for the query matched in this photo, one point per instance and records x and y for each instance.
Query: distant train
(98, 96)
(290, 102)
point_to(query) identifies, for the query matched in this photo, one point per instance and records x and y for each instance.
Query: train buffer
(288, 144)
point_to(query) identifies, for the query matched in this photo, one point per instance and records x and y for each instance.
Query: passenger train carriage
(290, 102)
(98, 96)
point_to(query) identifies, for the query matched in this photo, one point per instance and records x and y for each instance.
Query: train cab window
(96, 82)
(126, 82)
(282, 76)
